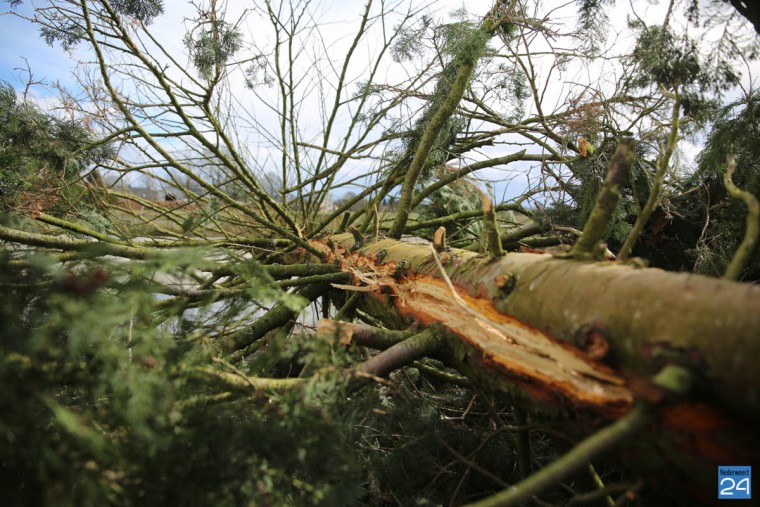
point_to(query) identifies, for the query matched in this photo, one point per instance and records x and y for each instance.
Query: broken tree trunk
(579, 340)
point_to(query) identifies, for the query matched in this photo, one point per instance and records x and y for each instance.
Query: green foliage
(109, 389)
(666, 59)
(699, 227)
(66, 33)
(403, 432)
(589, 174)
(455, 44)
(735, 131)
(422, 433)
(462, 40)
(409, 38)
(593, 23)
(41, 151)
(675, 62)
(105, 402)
(461, 195)
(212, 48)
(69, 33)
(142, 10)
(258, 73)
(512, 88)
(446, 138)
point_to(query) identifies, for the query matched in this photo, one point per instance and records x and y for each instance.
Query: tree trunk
(579, 341)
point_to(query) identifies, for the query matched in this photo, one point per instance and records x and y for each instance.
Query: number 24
(742, 485)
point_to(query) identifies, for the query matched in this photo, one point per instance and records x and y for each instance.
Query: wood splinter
(491, 229)
(356, 233)
(439, 239)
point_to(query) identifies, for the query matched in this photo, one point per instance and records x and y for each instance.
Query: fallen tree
(547, 332)
(156, 344)
(554, 331)
(555, 337)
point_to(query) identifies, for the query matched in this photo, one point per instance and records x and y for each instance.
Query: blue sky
(19, 38)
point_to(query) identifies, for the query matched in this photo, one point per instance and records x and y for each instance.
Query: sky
(19, 38)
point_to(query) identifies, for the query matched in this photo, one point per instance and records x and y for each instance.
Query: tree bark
(579, 340)
(646, 317)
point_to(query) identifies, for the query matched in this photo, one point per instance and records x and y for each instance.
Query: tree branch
(748, 244)
(595, 229)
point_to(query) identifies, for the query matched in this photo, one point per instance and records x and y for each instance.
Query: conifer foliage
(217, 287)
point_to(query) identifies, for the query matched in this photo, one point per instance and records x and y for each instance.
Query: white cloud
(258, 122)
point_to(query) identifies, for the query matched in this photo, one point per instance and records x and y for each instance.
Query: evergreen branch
(278, 316)
(464, 171)
(512, 236)
(246, 383)
(346, 311)
(672, 378)
(77, 228)
(221, 293)
(451, 378)
(595, 229)
(228, 242)
(659, 178)
(491, 229)
(470, 464)
(96, 248)
(462, 215)
(279, 271)
(465, 66)
(362, 334)
(308, 280)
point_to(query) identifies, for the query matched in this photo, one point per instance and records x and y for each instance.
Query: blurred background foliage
(107, 401)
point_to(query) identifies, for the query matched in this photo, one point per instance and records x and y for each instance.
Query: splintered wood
(513, 353)
(546, 369)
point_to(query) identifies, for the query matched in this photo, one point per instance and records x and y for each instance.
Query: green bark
(418, 346)
(278, 316)
(659, 178)
(595, 229)
(491, 229)
(648, 317)
(465, 65)
(752, 232)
